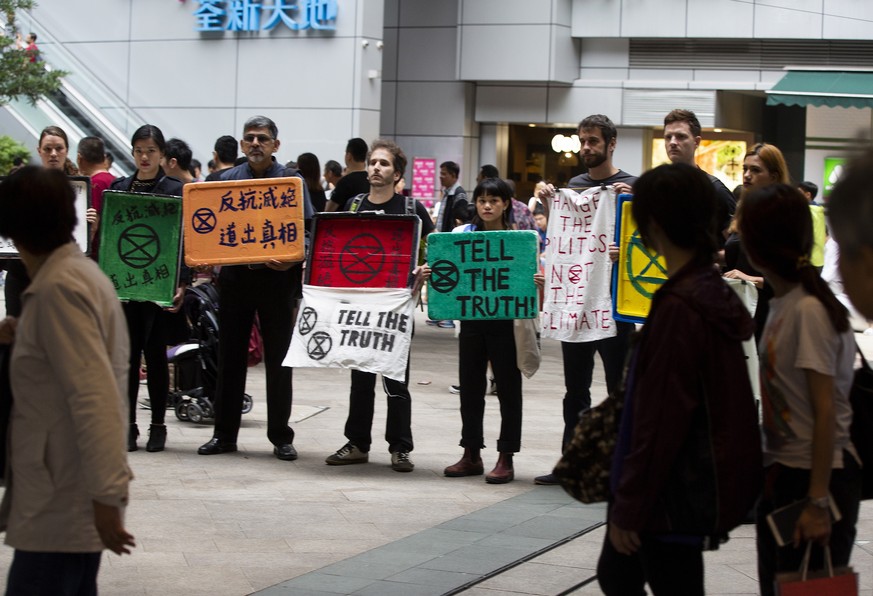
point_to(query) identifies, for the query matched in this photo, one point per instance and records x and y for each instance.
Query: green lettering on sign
(482, 275)
(140, 245)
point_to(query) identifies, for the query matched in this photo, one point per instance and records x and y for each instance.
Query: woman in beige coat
(67, 474)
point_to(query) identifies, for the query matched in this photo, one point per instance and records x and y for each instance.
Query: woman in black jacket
(146, 322)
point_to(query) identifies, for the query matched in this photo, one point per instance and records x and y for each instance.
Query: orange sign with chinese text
(243, 221)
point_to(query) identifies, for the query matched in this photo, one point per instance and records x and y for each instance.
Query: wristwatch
(820, 502)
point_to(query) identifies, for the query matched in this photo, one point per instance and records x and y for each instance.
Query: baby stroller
(195, 362)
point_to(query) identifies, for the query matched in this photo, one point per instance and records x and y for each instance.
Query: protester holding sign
(576, 223)
(484, 341)
(686, 467)
(269, 289)
(145, 323)
(807, 360)
(385, 165)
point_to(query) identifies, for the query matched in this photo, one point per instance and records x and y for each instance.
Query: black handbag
(583, 470)
(861, 431)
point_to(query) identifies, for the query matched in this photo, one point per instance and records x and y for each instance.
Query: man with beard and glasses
(598, 135)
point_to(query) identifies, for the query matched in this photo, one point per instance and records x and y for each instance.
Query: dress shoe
(285, 451)
(216, 446)
(502, 472)
(546, 480)
(468, 465)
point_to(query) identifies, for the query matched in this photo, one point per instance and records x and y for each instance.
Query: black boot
(132, 434)
(157, 438)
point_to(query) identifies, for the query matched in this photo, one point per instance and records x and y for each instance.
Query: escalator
(82, 106)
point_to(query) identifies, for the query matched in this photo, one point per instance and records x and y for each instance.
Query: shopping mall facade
(476, 81)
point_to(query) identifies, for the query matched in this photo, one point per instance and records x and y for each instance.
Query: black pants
(481, 342)
(147, 337)
(670, 569)
(579, 372)
(272, 295)
(53, 574)
(784, 485)
(398, 425)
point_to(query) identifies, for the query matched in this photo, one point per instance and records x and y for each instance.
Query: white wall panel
(572, 104)
(175, 20)
(720, 18)
(596, 18)
(511, 104)
(854, 9)
(604, 52)
(430, 109)
(427, 54)
(371, 14)
(847, 28)
(154, 84)
(284, 74)
(564, 65)
(104, 20)
(630, 150)
(390, 54)
(389, 107)
(505, 52)
(427, 13)
(773, 22)
(521, 12)
(805, 5)
(663, 18)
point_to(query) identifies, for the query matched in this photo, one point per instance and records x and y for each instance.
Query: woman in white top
(807, 355)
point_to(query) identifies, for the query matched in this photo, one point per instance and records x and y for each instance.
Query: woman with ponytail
(807, 355)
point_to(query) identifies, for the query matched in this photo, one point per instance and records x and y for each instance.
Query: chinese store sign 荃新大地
(253, 15)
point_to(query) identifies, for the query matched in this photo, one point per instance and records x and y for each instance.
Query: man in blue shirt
(269, 289)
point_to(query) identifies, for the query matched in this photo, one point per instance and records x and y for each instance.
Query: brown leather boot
(469, 465)
(502, 472)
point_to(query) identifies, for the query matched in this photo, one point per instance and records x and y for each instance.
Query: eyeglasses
(262, 139)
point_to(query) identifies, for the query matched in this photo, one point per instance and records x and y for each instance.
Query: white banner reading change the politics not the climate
(577, 304)
(364, 329)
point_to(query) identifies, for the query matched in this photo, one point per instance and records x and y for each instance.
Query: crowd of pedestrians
(691, 462)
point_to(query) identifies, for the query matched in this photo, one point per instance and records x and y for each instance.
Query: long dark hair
(776, 231)
(308, 166)
(70, 168)
(496, 188)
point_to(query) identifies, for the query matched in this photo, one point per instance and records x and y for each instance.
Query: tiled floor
(240, 523)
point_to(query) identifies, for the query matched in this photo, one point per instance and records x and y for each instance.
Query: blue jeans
(53, 574)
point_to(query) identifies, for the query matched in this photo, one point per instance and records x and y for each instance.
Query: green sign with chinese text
(140, 245)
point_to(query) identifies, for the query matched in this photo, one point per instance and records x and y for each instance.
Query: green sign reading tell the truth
(140, 245)
(482, 275)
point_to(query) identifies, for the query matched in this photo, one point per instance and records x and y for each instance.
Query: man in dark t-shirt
(385, 166)
(597, 134)
(681, 140)
(356, 181)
